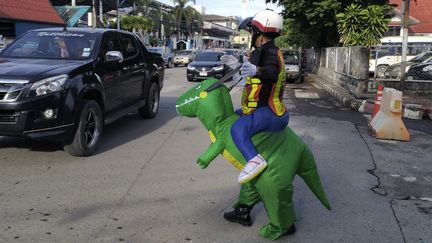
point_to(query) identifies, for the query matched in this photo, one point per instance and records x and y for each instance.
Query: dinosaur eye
(203, 94)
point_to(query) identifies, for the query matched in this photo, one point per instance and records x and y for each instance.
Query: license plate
(203, 73)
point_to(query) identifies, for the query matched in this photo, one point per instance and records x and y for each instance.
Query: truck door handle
(126, 68)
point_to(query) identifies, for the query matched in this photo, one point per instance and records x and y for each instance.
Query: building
(19, 16)
(242, 40)
(219, 31)
(420, 18)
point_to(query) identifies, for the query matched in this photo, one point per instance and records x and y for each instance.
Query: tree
(363, 26)
(190, 16)
(138, 24)
(314, 21)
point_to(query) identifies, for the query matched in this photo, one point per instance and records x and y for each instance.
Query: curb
(343, 95)
(410, 110)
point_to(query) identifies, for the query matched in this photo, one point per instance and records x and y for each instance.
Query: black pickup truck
(65, 84)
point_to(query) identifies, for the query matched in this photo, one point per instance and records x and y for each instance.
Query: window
(52, 45)
(109, 43)
(129, 46)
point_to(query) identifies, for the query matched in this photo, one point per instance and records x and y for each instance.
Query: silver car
(184, 57)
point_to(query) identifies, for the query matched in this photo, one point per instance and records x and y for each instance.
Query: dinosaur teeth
(189, 100)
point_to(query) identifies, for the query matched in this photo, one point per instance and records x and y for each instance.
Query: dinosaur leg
(277, 198)
(248, 196)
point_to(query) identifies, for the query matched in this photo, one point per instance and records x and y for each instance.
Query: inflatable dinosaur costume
(285, 153)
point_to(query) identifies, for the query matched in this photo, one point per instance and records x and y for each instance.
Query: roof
(397, 19)
(30, 10)
(214, 17)
(107, 5)
(71, 14)
(422, 11)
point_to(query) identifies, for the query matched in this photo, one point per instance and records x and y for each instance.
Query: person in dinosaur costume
(285, 153)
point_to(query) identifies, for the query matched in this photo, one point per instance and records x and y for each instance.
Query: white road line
(305, 94)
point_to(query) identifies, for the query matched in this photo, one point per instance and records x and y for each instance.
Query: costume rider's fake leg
(262, 119)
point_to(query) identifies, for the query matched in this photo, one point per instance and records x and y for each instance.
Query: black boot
(240, 215)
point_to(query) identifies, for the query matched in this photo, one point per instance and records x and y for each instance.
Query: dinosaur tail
(307, 170)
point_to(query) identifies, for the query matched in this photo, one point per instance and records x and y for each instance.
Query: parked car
(184, 57)
(382, 58)
(65, 85)
(166, 54)
(293, 66)
(394, 71)
(421, 71)
(206, 64)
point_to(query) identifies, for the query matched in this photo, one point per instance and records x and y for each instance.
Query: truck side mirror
(113, 56)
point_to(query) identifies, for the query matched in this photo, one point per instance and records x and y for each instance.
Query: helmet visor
(245, 24)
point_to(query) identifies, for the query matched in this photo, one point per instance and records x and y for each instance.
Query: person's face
(256, 39)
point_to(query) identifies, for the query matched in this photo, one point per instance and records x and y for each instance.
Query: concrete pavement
(144, 184)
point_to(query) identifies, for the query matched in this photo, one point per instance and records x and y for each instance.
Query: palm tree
(188, 13)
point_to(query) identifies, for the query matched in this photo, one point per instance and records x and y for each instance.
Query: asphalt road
(144, 184)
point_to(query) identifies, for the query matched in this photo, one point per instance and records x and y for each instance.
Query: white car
(385, 59)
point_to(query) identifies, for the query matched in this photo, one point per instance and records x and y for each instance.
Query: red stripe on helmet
(265, 29)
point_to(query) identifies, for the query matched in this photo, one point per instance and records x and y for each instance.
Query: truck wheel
(169, 63)
(151, 107)
(88, 132)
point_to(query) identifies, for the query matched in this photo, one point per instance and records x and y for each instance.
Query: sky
(232, 7)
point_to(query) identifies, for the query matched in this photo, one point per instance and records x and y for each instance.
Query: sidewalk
(414, 107)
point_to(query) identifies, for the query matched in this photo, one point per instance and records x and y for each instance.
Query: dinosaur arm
(210, 154)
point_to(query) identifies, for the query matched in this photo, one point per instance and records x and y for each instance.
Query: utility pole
(94, 13)
(405, 22)
(100, 11)
(243, 9)
(118, 16)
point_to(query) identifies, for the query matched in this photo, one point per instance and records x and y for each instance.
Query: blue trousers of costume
(262, 119)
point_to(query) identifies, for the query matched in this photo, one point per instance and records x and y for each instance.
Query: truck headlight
(218, 68)
(48, 85)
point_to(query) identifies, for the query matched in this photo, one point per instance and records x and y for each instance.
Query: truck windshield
(291, 57)
(52, 45)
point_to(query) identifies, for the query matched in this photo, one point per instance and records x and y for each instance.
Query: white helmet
(267, 22)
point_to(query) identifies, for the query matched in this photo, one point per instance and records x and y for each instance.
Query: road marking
(305, 94)
(410, 179)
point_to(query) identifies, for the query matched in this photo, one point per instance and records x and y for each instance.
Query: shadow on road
(122, 131)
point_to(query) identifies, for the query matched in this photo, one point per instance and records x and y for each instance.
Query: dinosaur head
(206, 99)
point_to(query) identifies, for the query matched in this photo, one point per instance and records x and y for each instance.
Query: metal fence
(385, 63)
(382, 62)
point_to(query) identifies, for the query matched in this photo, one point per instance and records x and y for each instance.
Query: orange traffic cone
(378, 98)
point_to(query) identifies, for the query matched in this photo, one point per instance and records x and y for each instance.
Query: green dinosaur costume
(285, 153)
